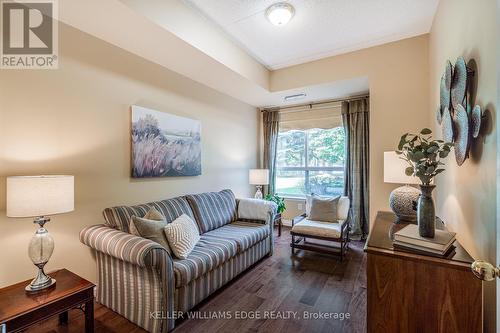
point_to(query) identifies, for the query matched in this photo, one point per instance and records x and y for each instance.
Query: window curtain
(355, 119)
(271, 124)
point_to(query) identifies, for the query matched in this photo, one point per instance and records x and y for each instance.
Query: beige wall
(466, 195)
(76, 120)
(398, 76)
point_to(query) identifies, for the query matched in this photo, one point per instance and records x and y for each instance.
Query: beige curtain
(271, 123)
(355, 116)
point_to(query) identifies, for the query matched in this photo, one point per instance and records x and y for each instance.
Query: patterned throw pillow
(182, 235)
(323, 209)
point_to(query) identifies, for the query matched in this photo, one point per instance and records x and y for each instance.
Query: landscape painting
(164, 145)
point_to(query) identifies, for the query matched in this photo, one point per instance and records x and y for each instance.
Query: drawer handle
(484, 270)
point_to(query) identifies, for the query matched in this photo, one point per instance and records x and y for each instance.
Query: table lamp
(38, 197)
(258, 177)
(402, 198)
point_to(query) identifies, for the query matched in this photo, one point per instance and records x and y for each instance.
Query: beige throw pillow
(152, 214)
(182, 235)
(151, 229)
(323, 209)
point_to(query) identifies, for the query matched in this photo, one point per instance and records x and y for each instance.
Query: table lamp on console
(402, 198)
(39, 197)
(258, 177)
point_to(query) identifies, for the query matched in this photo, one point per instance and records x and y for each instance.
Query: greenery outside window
(310, 161)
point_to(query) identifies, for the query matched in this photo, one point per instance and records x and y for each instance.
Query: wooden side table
(19, 309)
(279, 221)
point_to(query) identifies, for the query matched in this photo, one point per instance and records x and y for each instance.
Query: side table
(20, 309)
(279, 222)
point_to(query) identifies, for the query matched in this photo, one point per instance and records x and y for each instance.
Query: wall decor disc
(444, 93)
(447, 126)
(448, 74)
(439, 115)
(459, 82)
(461, 124)
(475, 122)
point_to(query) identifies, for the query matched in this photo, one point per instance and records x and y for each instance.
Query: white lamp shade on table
(32, 196)
(394, 170)
(259, 176)
(38, 197)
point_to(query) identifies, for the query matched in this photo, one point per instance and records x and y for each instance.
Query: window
(310, 161)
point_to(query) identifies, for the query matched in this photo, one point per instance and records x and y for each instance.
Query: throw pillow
(151, 229)
(152, 214)
(182, 235)
(308, 203)
(323, 209)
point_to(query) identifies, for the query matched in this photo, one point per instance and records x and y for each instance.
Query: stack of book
(408, 239)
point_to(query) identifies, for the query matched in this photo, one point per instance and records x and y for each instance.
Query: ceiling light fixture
(280, 13)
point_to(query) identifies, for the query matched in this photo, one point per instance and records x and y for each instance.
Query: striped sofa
(143, 282)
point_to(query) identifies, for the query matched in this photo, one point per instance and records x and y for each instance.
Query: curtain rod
(348, 99)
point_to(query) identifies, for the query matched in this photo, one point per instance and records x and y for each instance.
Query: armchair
(337, 232)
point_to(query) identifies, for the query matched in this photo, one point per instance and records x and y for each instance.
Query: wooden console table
(409, 292)
(19, 309)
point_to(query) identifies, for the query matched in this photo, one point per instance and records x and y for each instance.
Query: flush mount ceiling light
(280, 13)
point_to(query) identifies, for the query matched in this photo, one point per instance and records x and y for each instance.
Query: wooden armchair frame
(302, 243)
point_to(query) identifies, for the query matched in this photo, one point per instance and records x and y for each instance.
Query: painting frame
(164, 144)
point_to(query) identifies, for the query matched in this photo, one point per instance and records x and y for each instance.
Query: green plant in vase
(424, 157)
(278, 200)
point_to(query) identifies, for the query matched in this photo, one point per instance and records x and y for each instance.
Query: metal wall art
(460, 122)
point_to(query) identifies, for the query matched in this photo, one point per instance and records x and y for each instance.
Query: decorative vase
(426, 213)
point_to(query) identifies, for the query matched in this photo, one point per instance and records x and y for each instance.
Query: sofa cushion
(208, 254)
(245, 234)
(182, 235)
(119, 217)
(150, 229)
(153, 214)
(213, 209)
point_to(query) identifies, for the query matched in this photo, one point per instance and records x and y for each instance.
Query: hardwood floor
(309, 283)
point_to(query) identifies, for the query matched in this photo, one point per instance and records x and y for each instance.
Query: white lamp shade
(258, 176)
(394, 170)
(32, 196)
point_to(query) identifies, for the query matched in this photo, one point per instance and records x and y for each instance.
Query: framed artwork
(164, 145)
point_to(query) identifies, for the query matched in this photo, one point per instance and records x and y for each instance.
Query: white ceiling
(320, 28)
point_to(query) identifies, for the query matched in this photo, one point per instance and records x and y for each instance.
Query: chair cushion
(213, 209)
(323, 209)
(245, 234)
(208, 254)
(319, 228)
(119, 217)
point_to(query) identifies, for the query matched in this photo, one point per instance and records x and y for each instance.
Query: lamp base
(258, 194)
(40, 282)
(402, 201)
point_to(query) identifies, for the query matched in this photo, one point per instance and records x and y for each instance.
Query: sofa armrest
(257, 210)
(121, 245)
